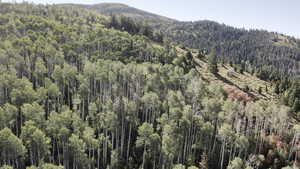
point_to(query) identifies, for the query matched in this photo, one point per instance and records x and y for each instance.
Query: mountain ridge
(99, 7)
(120, 8)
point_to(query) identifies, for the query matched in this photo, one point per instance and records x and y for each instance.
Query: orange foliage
(236, 94)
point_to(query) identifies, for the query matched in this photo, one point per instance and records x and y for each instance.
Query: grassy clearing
(228, 77)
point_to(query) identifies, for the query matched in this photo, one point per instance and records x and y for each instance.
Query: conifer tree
(212, 61)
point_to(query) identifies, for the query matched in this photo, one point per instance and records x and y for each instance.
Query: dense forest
(268, 55)
(258, 51)
(80, 90)
(255, 50)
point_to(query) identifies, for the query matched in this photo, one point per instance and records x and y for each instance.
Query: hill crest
(123, 9)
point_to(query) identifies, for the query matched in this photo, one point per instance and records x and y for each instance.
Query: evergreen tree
(200, 54)
(212, 62)
(259, 90)
(296, 105)
(276, 89)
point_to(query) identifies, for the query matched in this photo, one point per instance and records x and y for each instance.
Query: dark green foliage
(296, 105)
(254, 47)
(247, 89)
(201, 54)
(212, 62)
(127, 24)
(189, 61)
(293, 96)
(276, 89)
(259, 90)
(290, 91)
(189, 56)
(186, 62)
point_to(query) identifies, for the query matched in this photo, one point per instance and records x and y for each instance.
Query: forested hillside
(79, 90)
(255, 50)
(121, 9)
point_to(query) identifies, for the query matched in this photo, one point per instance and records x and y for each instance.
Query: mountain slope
(121, 9)
(230, 79)
(239, 83)
(257, 50)
(254, 49)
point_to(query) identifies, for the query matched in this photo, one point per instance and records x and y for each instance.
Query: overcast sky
(282, 16)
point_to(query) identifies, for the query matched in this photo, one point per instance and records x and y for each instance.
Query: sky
(281, 16)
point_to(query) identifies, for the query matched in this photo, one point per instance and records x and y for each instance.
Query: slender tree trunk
(144, 156)
(223, 152)
(98, 158)
(128, 144)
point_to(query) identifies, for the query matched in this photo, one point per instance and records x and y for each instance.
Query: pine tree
(200, 54)
(212, 62)
(114, 23)
(296, 105)
(189, 56)
(276, 89)
(247, 89)
(259, 90)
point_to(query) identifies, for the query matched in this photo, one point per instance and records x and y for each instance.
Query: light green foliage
(77, 146)
(34, 112)
(8, 114)
(193, 167)
(226, 132)
(23, 92)
(11, 146)
(53, 90)
(237, 163)
(176, 104)
(46, 166)
(179, 166)
(36, 142)
(248, 167)
(89, 138)
(146, 138)
(169, 139)
(6, 167)
(242, 142)
(290, 167)
(145, 132)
